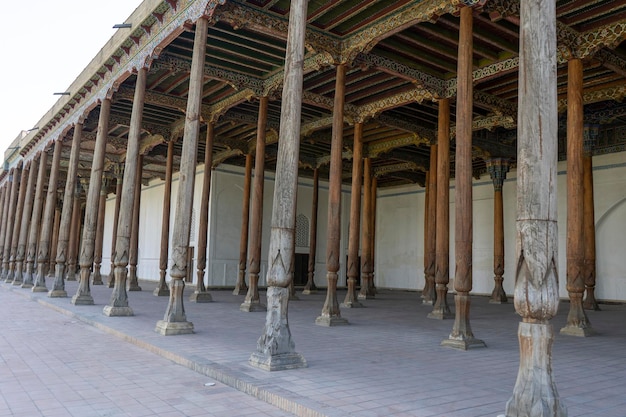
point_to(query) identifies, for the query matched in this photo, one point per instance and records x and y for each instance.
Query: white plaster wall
(399, 229)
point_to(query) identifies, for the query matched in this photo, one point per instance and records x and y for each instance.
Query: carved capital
(497, 169)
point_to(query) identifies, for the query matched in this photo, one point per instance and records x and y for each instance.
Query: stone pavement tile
(388, 356)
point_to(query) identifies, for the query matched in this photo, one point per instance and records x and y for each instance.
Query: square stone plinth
(278, 362)
(330, 321)
(169, 328)
(117, 311)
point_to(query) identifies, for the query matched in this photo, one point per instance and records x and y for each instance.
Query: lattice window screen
(302, 231)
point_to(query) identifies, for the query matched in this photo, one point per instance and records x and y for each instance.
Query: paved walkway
(387, 362)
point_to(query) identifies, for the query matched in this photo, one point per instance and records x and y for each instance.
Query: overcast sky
(45, 45)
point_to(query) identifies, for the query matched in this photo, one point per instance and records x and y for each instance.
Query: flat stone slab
(279, 362)
(117, 311)
(168, 328)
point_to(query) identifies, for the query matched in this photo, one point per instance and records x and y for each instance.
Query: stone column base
(308, 292)
(134, 287)
(250, 307)
(27, 285)
(577, 331)
(83, 300)
(330, 321)
(278, 362)
(440, 314)
(351, 304)
(492, 301)
(463, 343)
(366, 296)
(171, 328)
(56, 293)
(161, 292)
(40, 289)
(111, 311)
(427, 302)
(200, 297)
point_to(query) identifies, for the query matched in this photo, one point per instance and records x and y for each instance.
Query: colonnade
(28, 219)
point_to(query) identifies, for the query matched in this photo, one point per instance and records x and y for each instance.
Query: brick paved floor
(387, 362)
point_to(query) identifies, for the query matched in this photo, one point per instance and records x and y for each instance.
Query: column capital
(497, 168)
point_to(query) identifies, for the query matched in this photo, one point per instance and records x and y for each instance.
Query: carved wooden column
(430, 231)
(589, 221)
(175, 320)
(58, 287)
(536, 294)
(97, 256)
(21, 200)
(26, 222)
(442, 245)
(241, 286)
(133, 253)
(72, 252)
(371, 288)
(54, 241)
(47, 222)
(201, 295)
(351, 300)
(497, 168)
(366, 233)
(83, 293)
(331, 315)
(252, 301)
(462, 336)
(275, 348)
(577, 322)
(118, 171)
(310, 287)
(162, 289)
(14, 177)
(118, 303)
(4, 204)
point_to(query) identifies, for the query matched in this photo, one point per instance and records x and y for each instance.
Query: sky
(45, 44)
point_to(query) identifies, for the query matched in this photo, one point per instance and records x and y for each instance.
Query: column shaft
(241, 286)
(54, 241)
(118, 304)
(72, 253)
(19, 211)
(331, 315)
(4, 205)
(201, 295)
(119, 173)
(275, 348)
(133, 283)
(26, 222)
(354, 233)
(310, 287)
(442, 244)
(47, 222)
(162, 289)
(430, 230)
(589, 225)
(97, 256)
(14, 176)
(58, 287)
(175, 319)
(252, 301)
(536, 289)
(366, 232)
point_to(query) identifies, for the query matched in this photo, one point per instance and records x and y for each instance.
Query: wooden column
(536, 294)
(201, 295)
(133, 255)
(497, 168)
(14, 177)
(371, 288)
(43, 255)
(577, 322)
(58, 287)
(331, 315)
(429, 294)
(162, 289)
(26, 222)
(252, 301)
(118, 304)
(4, 205)
(310, 287)
(54, 241)
(241, 286)
(462, 336)
(175, 320)
(589, 221)
(442, 245)
(275, 348)
(19, 211)
(97, 256)
(354, 233)
(118, 170)
(72, 252)
(83, 293)
(366, 233)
